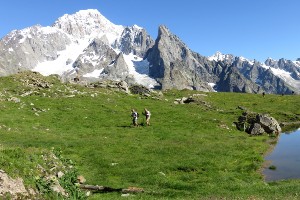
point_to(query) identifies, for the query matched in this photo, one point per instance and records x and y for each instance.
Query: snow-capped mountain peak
(218, 56)
(87, 24)
(136, 27)
(19, 36)
(100, 50)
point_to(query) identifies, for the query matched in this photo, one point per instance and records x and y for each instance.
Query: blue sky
(255, 29)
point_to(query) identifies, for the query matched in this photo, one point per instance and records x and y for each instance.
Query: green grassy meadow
(190, 151)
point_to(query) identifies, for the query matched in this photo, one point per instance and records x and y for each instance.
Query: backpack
(135, 114)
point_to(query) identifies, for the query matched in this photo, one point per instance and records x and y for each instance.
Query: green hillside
(190, 151)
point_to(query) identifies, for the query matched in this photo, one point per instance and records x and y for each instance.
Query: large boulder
(269, 124)
(258, 124)
(256, 129)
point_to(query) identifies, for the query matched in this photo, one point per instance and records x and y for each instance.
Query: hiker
(147, 114)
(76, 79)
(134, 116)
(263, 94)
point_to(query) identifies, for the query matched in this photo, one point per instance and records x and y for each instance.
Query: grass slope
(190, 151)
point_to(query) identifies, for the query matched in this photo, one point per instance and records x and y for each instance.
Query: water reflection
(285, 157)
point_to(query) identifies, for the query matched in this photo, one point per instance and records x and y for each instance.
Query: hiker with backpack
(147, 114)
(134, 116)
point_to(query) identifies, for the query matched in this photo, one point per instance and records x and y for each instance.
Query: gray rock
(116, 85)
(231, 80)
(116, 71)
(269, 124)
(24, 49)
(96, 56)
(134, 40)
(60, 174)
(14, 187)
(257, 124)
(256, 77)
(14, 99)
(139, 89)
(256, 129)
(173, 64)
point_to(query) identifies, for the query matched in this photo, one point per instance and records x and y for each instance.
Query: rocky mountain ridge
(88, 45)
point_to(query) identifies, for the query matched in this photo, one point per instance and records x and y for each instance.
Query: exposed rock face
(173, 64)
(118, 70)
(15, 187)
(269, 124)
(241, 75)
(270, 77)
(255, 129)
(273, 84)
(286, 65)
(22, 50)
(134, 40)
(97, 56)
(231, 80)
(258, 124)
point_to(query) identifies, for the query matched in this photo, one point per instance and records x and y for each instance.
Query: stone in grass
(81, 179)
(132, 190)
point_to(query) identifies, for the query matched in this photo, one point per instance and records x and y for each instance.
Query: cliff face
(173, 64)
(26, 48)
(134, 40)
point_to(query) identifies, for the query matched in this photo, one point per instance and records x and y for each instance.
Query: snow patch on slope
(212, 85)
(64, 61)
(297, 63)
(286, 76)
(139, 69)
(94, 74)
(282, 74)
(246, 60)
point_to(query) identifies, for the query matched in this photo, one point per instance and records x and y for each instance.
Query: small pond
(285, 158)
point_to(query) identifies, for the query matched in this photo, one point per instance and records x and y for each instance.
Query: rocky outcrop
(139, 89)
(23, 50)
(134, 40)
(97, 56)
(231, 80)
(269, 124)
(118, 70)
(13, 188)
(258, 76)
(273, 84)
(184, 100)
(195, 98)
(113, 85)
(258, 124)
(173, 64)
(286, 65)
